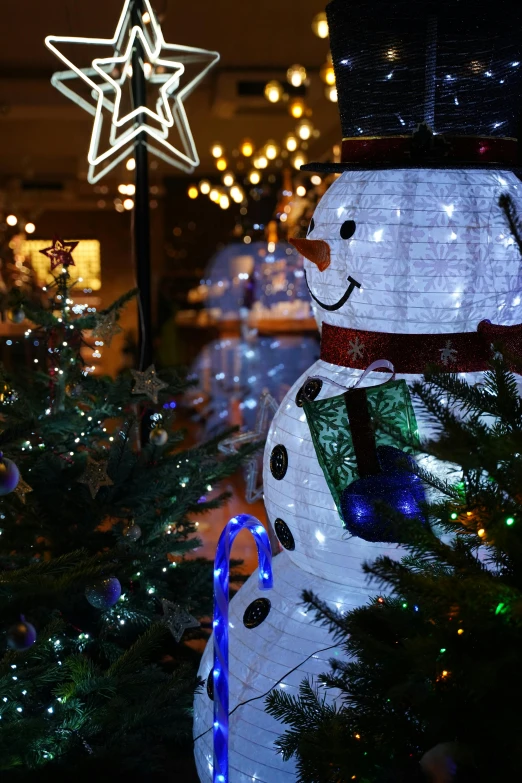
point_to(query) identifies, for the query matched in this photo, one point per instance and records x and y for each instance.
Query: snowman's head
(415, 251)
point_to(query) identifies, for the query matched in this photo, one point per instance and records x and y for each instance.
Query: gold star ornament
(95, 476)
(22, 489)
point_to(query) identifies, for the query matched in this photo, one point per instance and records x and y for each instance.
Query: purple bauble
(22, 635)
(9, 475)
(103, 593)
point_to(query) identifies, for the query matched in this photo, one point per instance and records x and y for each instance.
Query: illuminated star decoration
(22, 489)
(266, 408)
(60, 253)
(177, 619)
(107, 327)
(147, 382)
(164, 65)
(95, 476)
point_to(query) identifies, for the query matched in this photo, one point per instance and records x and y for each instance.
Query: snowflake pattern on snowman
(395, 258)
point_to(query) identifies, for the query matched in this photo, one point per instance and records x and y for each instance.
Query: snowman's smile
(344, 298)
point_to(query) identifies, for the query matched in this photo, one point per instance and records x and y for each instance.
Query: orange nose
(315, 250)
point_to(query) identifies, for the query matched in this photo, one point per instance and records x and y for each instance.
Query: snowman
(409, 258)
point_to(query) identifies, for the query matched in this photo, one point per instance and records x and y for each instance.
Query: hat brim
(329, 167)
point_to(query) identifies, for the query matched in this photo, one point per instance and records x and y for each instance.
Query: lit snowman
(404, 261)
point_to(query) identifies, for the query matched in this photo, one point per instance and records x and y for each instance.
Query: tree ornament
(103, 593)
(132, 532)
(9, 475)
(107, 327)
(21, 636)
(16, 315)
(177, 619)
(74, 390)
(147, 382)
(22, 489)
(158, 436)
(95, 476)
(60, 253)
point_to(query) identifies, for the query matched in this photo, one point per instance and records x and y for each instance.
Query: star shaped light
(107, 327)
(22, 489)
(177, 619)
(266, 408)
(95, 476)
(147, 382)
(164, 65)
(60, 253)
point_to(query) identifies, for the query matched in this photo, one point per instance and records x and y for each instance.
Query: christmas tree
(97, 513)
(429, 684)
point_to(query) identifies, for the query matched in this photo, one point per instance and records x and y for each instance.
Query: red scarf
(413, 353)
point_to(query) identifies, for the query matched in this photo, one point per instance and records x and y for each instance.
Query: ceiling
(43, 136)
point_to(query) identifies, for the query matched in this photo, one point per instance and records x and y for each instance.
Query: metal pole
(141, 202)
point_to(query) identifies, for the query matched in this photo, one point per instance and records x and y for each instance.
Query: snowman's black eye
(310, 227)
(348, 229)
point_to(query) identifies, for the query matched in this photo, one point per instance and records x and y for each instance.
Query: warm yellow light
(30, 228)
(283, 218)
(481, 533)
(300, 190)
(221, 164)
(331, 94)
(320, 25)
(271, 150)
(291, 142)
(122, 189)
(315, 179)
(128, 203)
(296, 75)
(214, 195)
(204, 187)
(260, 162)
(224, 201)
(237, 194)
(192, 192)
(254, 177)
(273, 91)
(228, 179)
(298, 159)
(305, 130)
(147, 70)
(216, 150)
(131, 164)
(460, 631)
(296, 108)
(392, 54)
(247, 148)
(11, 220)
(86, 258)
(146, 18)
(328, 74)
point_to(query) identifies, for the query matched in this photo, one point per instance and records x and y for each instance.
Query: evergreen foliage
(431, 668)
(105, 692)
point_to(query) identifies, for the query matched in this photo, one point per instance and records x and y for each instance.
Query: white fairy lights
(164, 67)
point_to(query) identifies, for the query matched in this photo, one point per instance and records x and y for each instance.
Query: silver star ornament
(147, 382)
(266, 408)
(177, 619)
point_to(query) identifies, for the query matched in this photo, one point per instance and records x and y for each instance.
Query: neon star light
(164, 65)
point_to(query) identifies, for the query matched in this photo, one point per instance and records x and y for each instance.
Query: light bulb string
(264, 695)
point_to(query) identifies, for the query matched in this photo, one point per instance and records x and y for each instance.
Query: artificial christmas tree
(95, 592)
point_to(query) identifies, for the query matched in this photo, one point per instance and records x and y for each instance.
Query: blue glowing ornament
(395, 485)
(103, 593)
(221, 630)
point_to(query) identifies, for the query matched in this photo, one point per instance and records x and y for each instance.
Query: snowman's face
(415, 251)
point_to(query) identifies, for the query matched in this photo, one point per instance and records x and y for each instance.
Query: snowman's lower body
(286, 648)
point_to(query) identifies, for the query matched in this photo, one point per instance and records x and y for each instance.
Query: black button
(309, 391)
(210, 685)
(278, 462)
(348, 229)
(256, 612)
(284, 534)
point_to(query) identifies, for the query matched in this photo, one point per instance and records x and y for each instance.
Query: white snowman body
(433, 254)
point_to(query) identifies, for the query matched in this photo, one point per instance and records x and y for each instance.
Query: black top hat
(427, 82)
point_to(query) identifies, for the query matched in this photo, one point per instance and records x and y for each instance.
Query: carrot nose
(315, 250)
